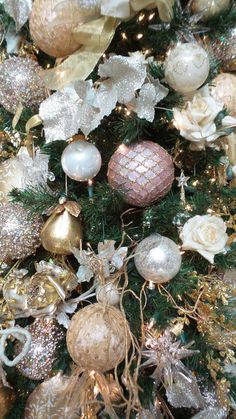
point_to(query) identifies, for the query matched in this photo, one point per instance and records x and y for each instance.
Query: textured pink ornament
(143, 172)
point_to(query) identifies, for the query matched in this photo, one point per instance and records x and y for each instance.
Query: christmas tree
(117, 212)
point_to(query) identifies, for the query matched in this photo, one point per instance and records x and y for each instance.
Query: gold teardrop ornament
(63, 229)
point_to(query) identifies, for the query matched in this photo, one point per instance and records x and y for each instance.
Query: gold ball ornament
(63, 230)
(7, 398)
(223, 89)
(53, 24)
(46, 336)
(210, 8)
(98, 337)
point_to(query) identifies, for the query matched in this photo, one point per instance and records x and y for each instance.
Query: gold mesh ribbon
(95, 36)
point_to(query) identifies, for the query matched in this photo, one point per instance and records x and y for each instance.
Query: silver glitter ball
(157, 259)
(19, 232)
(20, 84)
(46, 336)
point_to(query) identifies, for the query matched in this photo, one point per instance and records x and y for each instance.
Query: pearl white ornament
(157, 259)
(81, 161)
(108, 294)
(210, 8)
(187, 67)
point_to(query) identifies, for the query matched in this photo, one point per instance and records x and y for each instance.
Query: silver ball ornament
(81, 161)
(20, 84)
(157, 259)
(187, 67)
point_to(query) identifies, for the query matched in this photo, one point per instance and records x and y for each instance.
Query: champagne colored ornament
(143, 172)
(46, 336)
(157, 259)
(210, 8)
(98, 337)
(223, 89)
(20, 84)
(81, 161)
(186, 67)
(108, 294)
(7, 398)
(53, 24)
(51, 400)
(19, 232)
(63, 230)
(224, 48)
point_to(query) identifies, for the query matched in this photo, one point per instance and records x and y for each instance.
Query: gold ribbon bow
(95, 37)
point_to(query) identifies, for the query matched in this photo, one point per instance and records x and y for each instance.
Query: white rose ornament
(205, 234)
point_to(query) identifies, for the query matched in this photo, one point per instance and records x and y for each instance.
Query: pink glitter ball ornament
(143, 172)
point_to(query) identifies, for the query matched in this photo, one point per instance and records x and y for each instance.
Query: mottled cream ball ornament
(53, 24)
(157, 259)
(210, 8)
(19, 232)
(63, 229)
(186, 67)
(98, 337)
(223, 89)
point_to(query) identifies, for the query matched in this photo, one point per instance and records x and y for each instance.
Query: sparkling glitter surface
(46, 337)
(143, 172)
(20, 84)
(19, 232)
(224, 48)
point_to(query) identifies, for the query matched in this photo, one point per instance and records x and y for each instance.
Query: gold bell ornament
(63, 230)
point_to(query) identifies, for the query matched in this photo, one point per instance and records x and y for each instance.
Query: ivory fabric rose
(196, 120)
(206, 234)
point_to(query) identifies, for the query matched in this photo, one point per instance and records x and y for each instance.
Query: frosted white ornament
(187, 67)
(108, 294)
(81, 161)
(157, 259)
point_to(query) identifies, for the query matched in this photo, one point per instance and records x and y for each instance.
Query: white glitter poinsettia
(104, 263)
(124, 75)
(19, 10)
(82, 105)
(149, 95)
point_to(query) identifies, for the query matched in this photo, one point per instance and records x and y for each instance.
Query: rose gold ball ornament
(19, 232)
(157, 259)
(63, 229)
(210, 8)
(20, 84)
(53, 24)
(223, 89)
(186, 67)
(143, 172)
(98, 338)
(46, 336)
